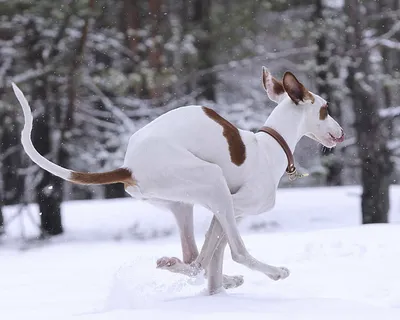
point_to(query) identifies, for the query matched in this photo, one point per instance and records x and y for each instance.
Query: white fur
(27, 142)
(182, 158)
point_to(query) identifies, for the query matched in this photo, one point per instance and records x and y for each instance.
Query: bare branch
(4, 68)
(61, 31)
(8, 152)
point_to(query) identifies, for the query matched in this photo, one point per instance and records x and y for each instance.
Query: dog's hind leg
(184, 217)
(183, 213)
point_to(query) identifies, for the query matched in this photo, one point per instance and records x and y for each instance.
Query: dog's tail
(121, 175)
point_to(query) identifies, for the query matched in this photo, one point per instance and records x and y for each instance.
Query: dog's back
(202, 132)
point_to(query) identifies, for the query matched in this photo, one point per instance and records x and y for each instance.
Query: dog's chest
(255, 198)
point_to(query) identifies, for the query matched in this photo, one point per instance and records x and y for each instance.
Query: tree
(1, 221)
(202, 15)
(376, 165)
(52, 94)
(327, 74)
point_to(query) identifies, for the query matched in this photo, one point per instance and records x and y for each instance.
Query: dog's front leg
(216, 280)
(211, 254)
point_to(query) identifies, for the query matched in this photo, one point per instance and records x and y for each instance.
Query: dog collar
(291, 170)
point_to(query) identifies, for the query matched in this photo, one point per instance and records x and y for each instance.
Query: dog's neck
(288, 122)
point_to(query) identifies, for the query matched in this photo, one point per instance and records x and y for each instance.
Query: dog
(192, 155)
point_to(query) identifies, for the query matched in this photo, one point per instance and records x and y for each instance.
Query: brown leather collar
(290, 169)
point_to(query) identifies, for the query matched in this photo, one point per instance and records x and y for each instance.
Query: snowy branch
(115, 44)
(248, 61)
(393, 144)
(384, 39)
(32, 74)
(394, 14)
(128, 123)
(97, 122)
(389, 44)
(391, 112)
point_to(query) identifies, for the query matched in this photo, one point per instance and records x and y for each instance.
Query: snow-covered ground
(104, 266)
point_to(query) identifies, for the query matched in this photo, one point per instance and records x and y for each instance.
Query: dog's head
(317, 124)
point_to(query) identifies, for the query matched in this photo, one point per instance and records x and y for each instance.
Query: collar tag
(294, 175)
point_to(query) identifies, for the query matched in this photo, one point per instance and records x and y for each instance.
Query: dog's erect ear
(296, 91)
(274, 88)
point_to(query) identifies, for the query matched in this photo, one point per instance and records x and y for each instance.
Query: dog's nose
(341, 137)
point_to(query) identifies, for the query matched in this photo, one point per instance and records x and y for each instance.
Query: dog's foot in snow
(230, 282)
(167, 262)
(280, 274)
(176, 265)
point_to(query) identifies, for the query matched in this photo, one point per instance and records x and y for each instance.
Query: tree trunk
(132, 23)
(1, 220)
(154, 54)
(331, 161)
(114, 191)
(49, 189)
(202, 17)
(155, 51)
(388, 58)
(376, 165)
(11, 163)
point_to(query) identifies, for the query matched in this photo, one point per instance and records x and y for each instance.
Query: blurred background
(95, 71)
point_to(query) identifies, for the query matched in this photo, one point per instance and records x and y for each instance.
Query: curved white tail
(119, 175)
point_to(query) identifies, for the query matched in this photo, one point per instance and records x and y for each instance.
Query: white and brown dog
(191, 155)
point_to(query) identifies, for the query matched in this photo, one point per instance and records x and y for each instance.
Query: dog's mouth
(337, 140)
(329, 141)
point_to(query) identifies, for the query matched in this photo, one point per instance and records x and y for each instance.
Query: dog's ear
(274, 88)
(295, 89)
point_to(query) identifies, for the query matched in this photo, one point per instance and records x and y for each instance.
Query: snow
(104, 266)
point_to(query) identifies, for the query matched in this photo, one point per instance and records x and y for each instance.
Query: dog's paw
(176, 265)
(280, 274)
(230, 282)
(167, 262)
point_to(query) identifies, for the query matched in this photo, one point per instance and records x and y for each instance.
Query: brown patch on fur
(309, 96)
(323, 112)
(295, 89)
(277, 86)
(237, 148)
(120, 175)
